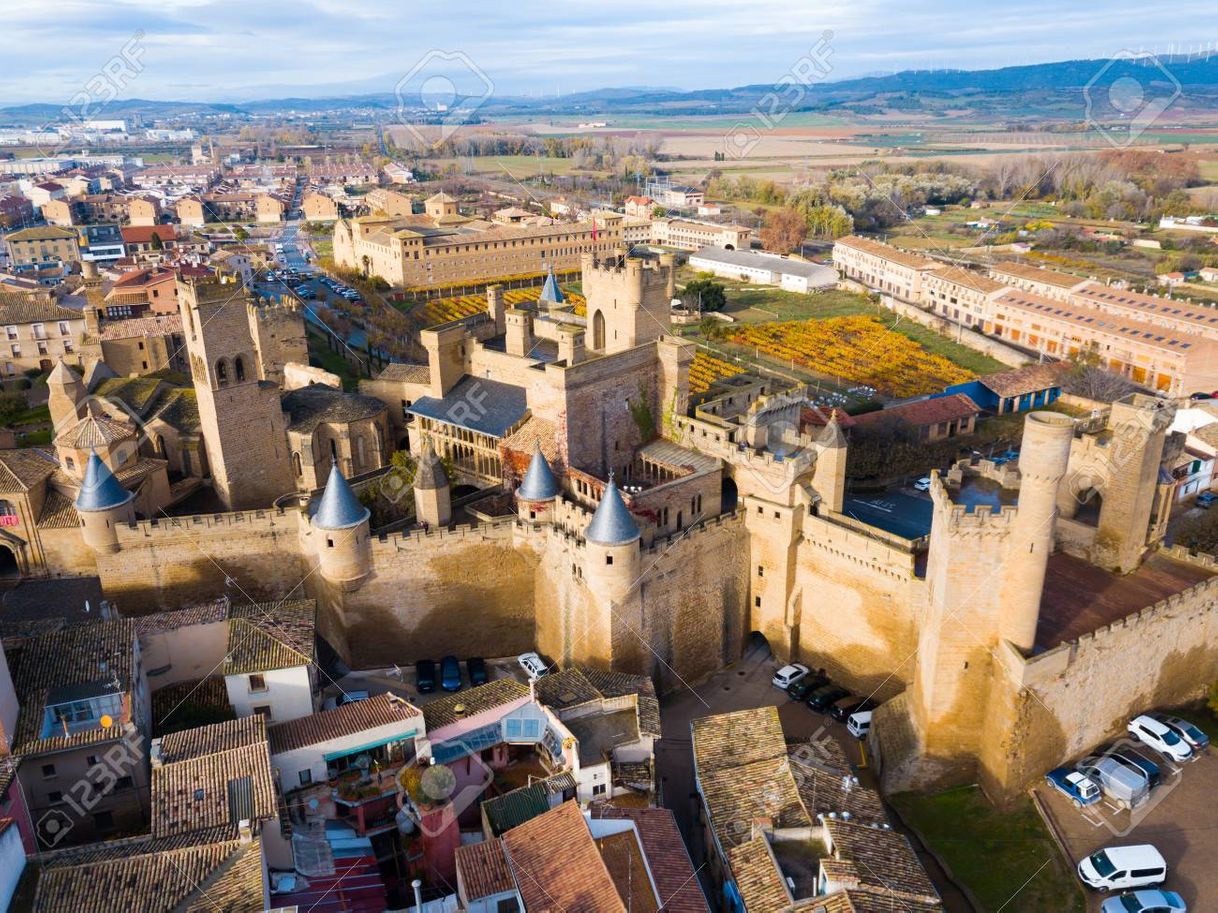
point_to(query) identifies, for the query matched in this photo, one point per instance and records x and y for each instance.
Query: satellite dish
(314, 804)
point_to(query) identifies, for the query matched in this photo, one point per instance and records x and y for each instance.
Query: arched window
(221, 372)
(334, 448)
(598, 331)
(296, 464)
(359, 453)
(239, 368)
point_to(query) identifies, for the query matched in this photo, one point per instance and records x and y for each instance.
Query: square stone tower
(244, 427)
(629, 301)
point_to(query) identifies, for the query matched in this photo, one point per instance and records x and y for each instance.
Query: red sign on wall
(9, 520)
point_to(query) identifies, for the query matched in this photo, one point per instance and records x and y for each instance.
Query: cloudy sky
(229, 51)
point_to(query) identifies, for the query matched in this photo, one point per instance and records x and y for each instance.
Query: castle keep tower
(629, 301)
(244, 428)
(103, 504)
(1043, 460)
(343, 539)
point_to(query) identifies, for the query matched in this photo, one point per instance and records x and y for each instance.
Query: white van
(1121, 867)
(859, 724)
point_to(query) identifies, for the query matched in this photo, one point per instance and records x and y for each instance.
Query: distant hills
(1046, 89)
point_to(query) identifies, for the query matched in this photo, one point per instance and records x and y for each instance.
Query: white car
(533, 665)
(1161, 738)
(923, 484)
(788, 675)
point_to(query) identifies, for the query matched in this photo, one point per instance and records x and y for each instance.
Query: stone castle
(570, 496)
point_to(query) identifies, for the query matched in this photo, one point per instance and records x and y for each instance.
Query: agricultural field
(860, 349)
(706, 369)
(442, 310)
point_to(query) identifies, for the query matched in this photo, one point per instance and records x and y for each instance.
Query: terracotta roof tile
(270, 635)
(349, 719)
(757, 877)
(482, 870)
(924, 412)
(667, 857)
(879, 858)
(443, 711)
(557, 866)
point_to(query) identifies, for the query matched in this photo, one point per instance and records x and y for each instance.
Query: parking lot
(400, 680)
(1181, 821)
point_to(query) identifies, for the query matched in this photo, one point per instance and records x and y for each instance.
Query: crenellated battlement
(234, 521)
(957, 518)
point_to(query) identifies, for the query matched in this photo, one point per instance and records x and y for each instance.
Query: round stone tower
(432, 493)
(1043, 460)
(537, 493)
(344, 541)
(613, 558)
(103, 504)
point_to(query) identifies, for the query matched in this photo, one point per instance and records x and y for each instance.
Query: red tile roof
(349, 719)
(557, 865)
(924, 412)
(142, 234)
(667, 857)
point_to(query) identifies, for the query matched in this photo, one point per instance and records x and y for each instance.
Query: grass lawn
(1007, 859)
(322, 356)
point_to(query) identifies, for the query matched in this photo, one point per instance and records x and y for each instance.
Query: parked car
(1080, 789)
(842, 709)
(788, 675)
(1196, 739)
(800, 690)
(533, 665)
(1145, 902)
(859, 724)
(1161, 738)
(1137, 761)
(425, 676)
(1120, 867)
(1206, 499)
(923, 484)
(1119, 783)
(450, 674)
(476, 667)
(822, 698)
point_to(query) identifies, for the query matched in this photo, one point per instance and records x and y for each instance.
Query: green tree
(704, 293)
(157, 243)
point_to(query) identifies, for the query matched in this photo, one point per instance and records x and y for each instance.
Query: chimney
(495, 307)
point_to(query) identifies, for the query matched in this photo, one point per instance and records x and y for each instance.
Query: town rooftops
(667, 857)
(453, 707)
(142, 234)
(482, 870)
(100, 490)
(969, 278)
(159, 875)
(1030, 273)
(539, 483)
(515, 807)
(407, 373)
(339, 508)
(612, 523)
(888, 252)
(487, 406)
(270, 635)
(19, 309)
(1028, 379)
(141, 327)
(877, 857)
(91, 660)
(950, 408)
(96, 429)
(42, 233)
(21, 470)
(757, 876)
(188, 744)
(348, 720)
(557, 866)
(220, 778)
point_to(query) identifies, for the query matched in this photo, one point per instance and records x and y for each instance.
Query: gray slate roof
(339, 508)
(550, 291)
(612, 523)
(100, 490)
(486, 406)
(539, 483)
(316, 404)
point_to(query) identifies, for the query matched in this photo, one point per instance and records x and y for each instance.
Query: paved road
(1182, 821)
